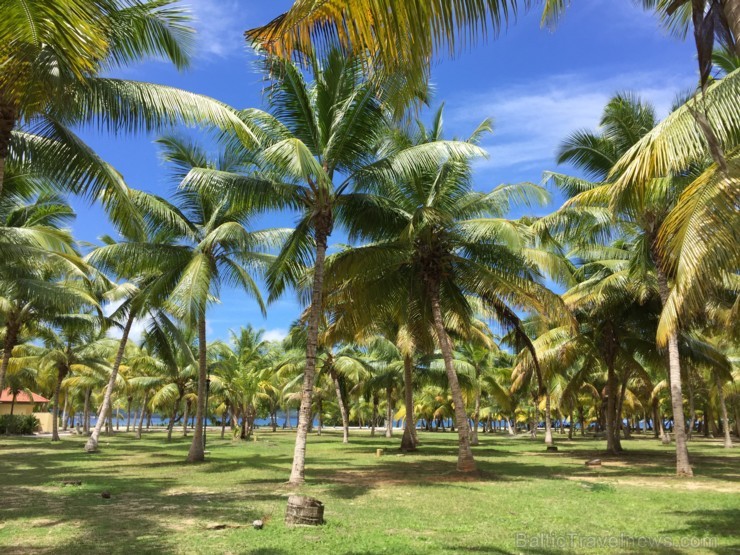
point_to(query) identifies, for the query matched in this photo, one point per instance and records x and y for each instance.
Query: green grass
(393, 504)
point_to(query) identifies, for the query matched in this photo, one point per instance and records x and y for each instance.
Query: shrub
(13, 424)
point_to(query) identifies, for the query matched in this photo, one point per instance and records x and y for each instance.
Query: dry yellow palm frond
(701, 235)
(395, 34)
(677, 142)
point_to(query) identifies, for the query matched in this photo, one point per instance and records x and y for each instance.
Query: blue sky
(537, 84)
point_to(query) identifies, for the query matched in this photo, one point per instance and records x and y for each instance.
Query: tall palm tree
(322, 142)
(446, 243)
(214, 248)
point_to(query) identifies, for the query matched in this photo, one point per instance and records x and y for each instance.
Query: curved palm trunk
(7, 124)
(683, 466)
(196, 453)
(465, 460)
(171, 423)
(92, 442)
(408, 441)
(723, 409)
(342, 405)
(389, 412)
(11, 339)
(297, 472)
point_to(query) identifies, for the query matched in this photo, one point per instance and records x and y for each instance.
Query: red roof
(6, 396)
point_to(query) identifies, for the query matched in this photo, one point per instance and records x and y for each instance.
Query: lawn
(523, 500)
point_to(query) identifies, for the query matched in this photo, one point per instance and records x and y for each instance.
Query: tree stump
(593, 462)
(379, 452)
(552, 448)
(304, 511)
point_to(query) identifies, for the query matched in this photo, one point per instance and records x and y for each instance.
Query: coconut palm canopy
(348, 234)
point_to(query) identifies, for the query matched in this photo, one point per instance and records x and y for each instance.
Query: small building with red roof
(21, 404)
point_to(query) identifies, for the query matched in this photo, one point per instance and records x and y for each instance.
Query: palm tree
(444, 243)
(214, 248)
(74, 343)
(322, 140)
(626, 123)
(51, 79)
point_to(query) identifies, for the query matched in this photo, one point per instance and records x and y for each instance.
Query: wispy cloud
(532, 118)
(277, 334)
(220, 26)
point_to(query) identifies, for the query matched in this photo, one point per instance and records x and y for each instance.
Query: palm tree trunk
(465, 460)
(128, 414)
(408, 441)
(55, 413)
(657, 428)
(570, 428)
(692, 406)
(723, 409)
(86, 411)
(8, 116)
(582, 420)
(548, 419)
(620, 416)
(376, 402)
(143, 414)
(683, 466)
(171, 423)
(185, 416)
(223, 422)
(510, 427)
(297, 472)
(342, 405)
(65, 412)
(92, 442)
(196, 452)
(389, 412)
(476, 411)
(11, 338)
(611, 409)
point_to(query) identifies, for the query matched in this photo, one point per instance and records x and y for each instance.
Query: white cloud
(532, 118)
(220, 26)
(277, 334)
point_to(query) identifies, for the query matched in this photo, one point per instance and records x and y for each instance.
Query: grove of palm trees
(353, 288)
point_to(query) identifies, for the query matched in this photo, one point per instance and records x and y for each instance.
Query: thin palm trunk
(65, 413)
(11, 339)
(128, 415)
(611, 409)
(692, 406)
(143, 414)
(86, 411)
(196, 453)
(408, 441)
(476, 411)
(342, 405)
(376, 402)
(620, 416)
(171, 423)
(723, 410)
(92, 442)
(548, 419)
(465, 460)
(389, 412)
(55, 414)
(297, 472)
(683, 466)
(185, 416)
